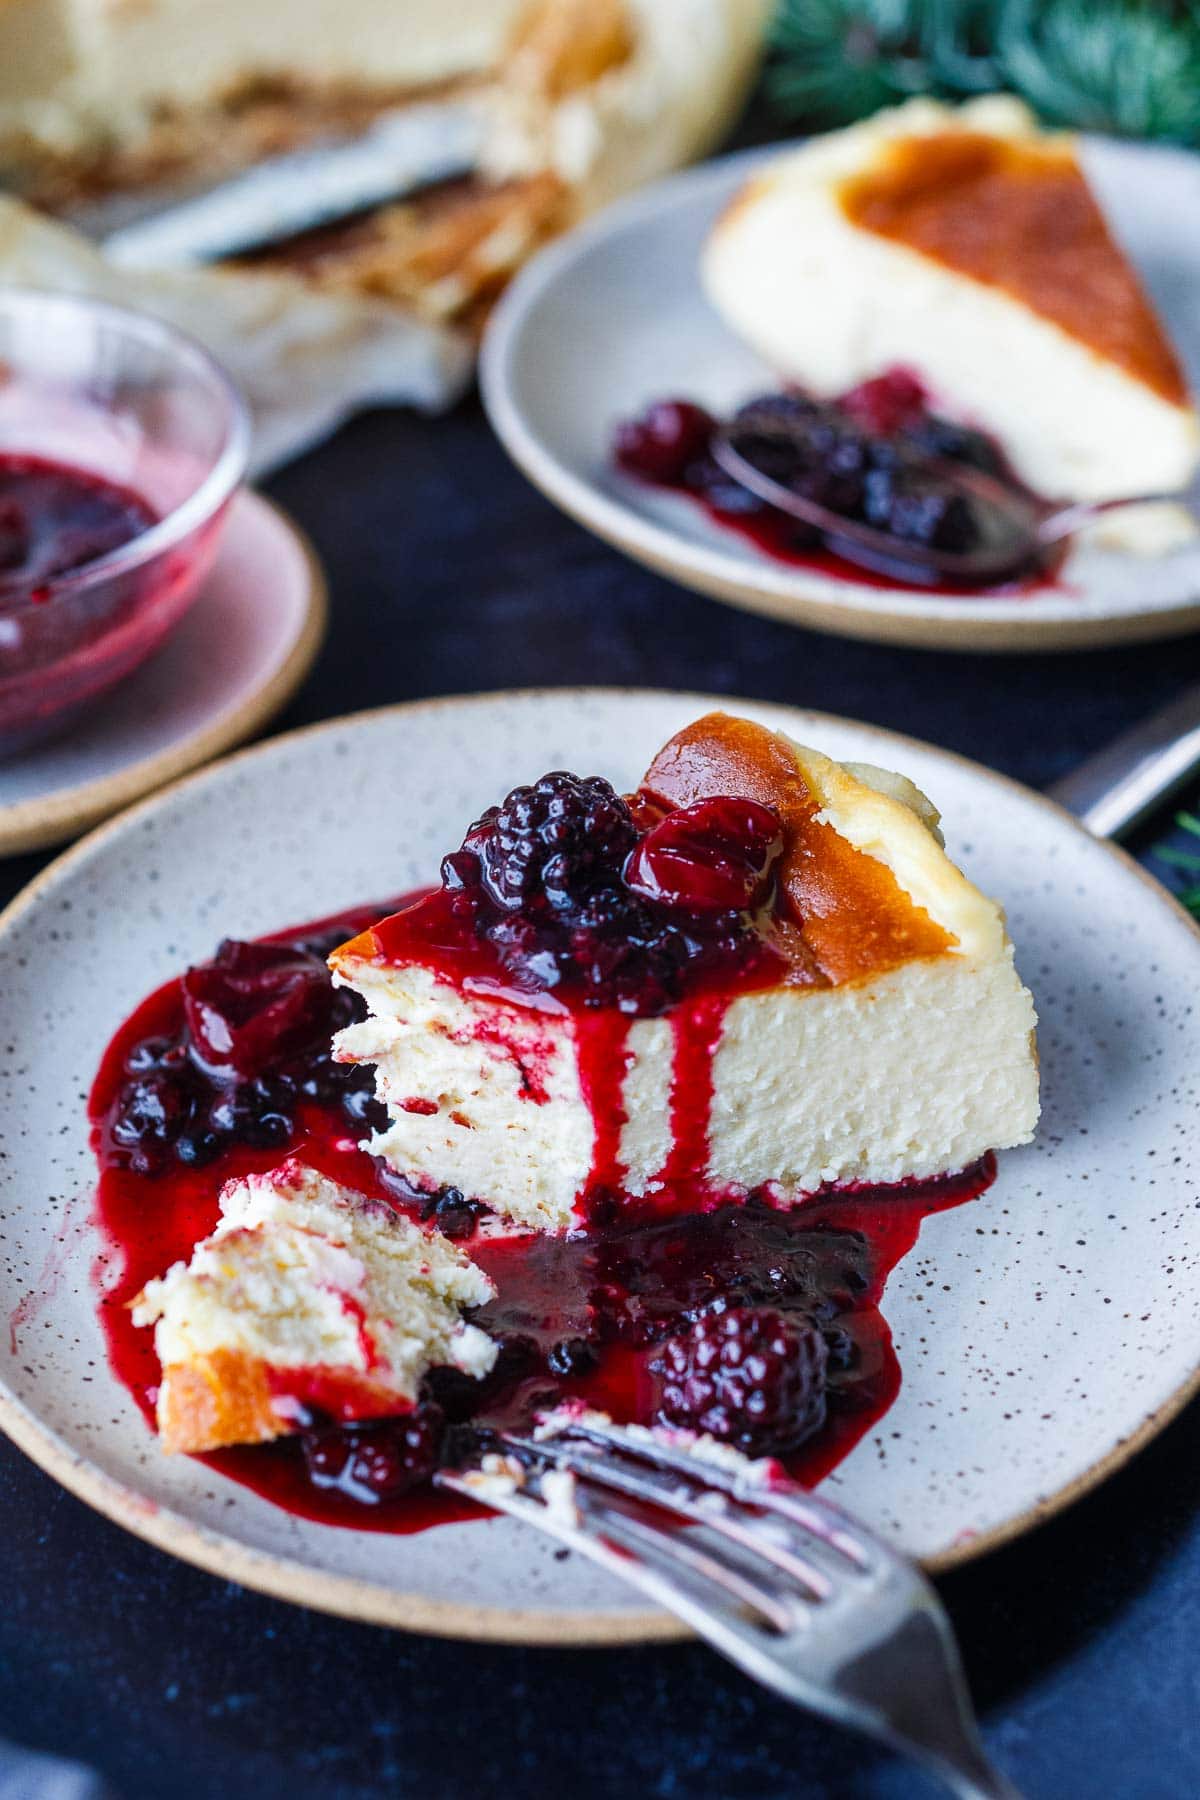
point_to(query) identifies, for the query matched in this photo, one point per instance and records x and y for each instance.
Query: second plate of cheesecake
(916, 323)
(695, 1033)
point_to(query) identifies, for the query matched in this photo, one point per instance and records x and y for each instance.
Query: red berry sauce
(876, 454)
(596, 1317)
(54, 519)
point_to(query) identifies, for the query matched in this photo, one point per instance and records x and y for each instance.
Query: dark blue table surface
(450, 574)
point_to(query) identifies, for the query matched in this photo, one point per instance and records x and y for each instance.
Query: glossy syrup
(779, 537)
(636, 1276)
(54, 518)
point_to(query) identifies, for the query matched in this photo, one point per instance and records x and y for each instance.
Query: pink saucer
(239, 655)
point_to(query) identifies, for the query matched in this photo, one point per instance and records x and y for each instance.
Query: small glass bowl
(123, 397)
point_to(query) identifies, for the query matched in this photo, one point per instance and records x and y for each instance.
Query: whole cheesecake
(966, 246)
(761, 974)
(107, 106)
(75, 69)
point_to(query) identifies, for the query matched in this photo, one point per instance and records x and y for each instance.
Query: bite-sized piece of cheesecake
(307, 1295)
(966, 245)
(762, 973)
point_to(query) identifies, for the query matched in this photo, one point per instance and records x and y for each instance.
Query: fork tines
(683, 1508)
(778, 1580)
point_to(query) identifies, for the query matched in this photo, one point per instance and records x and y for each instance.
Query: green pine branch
(1186, 860)
(1131, 67)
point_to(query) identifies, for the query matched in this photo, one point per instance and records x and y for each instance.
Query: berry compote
(566, 891)
(720, 1313)
(53, 519)
(877, 455)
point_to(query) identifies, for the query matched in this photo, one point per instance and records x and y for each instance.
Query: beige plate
(1045, 1331)
(239, 655)
(613, 317)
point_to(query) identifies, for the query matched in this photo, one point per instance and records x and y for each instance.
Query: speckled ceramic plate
(1044, 1331)
(613, 316)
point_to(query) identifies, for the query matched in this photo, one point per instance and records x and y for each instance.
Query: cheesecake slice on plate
(307, 1295)
(761, 973)
(966, 246)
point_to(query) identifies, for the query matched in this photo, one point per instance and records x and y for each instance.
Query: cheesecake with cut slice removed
(113, 108)
(761, 973)
(966, 246)
(307, 1296)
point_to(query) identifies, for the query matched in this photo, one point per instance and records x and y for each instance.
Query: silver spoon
(1017, 528)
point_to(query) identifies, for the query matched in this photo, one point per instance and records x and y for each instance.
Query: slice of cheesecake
(965, 245)
(764, 972)
(306, 1295)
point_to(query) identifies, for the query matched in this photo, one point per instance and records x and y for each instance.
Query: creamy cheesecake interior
(306, 1295)
(888, 1036)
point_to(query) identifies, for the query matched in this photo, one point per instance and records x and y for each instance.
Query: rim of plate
(287, 1578)
(1044, 619)
(46, 820)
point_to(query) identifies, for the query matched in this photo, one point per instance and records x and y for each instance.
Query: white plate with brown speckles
(1045, 1331)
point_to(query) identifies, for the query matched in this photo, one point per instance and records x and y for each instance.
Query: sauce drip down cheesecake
(636, 1111)
(762, 973)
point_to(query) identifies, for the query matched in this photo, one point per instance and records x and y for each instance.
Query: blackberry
(198, 1146)
(564, 887)
(462, 873)
(792, 407)
(920, 512)
(534, 948)
(750, 1376)
(462, 1397)
(377, 1460)
(361, 1107)
(721, 491)
(555, 839)
(626, 953)
(935, 436)
(820, 453)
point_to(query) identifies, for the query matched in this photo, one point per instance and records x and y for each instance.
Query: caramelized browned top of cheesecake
(832, 915)
(1019, 217)
(851, 918)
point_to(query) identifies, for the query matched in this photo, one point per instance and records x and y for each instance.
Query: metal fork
(781, 1582)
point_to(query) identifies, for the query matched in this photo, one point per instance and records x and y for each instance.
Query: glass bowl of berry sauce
(121, 446)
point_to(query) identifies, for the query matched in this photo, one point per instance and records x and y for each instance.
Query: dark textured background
(449, 573)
